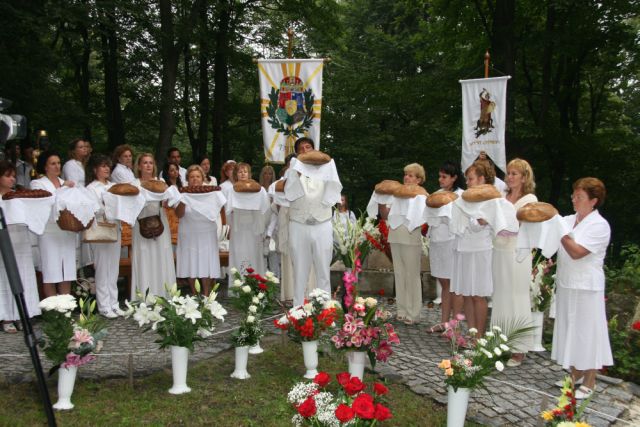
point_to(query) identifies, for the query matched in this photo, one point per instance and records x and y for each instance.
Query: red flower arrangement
(307, 322)
(382, 242)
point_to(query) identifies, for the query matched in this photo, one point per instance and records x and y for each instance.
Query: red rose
(343, 378)
(250, 270)
(307, 408)
(354, 386)
(381, 292)
(322, 379)
(262, 287)
(380, 389)
(636, 326)
(344, 413)
(363, 406)
(382, 413)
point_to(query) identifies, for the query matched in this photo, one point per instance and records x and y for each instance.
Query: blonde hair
(417, 170)
(194, 168)
(484, 169)
(139, 158)
(238, 166)
(522, 166)
(262, 172)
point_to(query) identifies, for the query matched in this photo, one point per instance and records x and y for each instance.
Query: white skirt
(580, 333)
(197, 255)
(472, 273)
(22, 250)
(58, 256)
(441, 259)
(245, 245)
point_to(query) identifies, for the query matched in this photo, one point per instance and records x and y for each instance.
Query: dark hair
(6, 166)
(594, 188)
(118, 151)
(301, 140)
(165, 174)
(43, 158)
(10, 151)
(95, 161)
(171, 150)
(73, 145)
(452, 169)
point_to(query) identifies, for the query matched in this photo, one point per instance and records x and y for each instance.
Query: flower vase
(66, 381)
(179, 364)
(457, 406)
(242, 357)
(537, 318)
(310, 353)
(256, 349)
(357, 360)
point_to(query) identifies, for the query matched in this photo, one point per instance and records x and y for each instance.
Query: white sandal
(584, 392)
(9, 328)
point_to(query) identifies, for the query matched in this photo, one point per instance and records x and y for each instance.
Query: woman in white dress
(580, 334)
(227, 177)
(511, 276)
(106, 256)
(471, 281)
(21, 245)
(205, 164)
(441, 243)
(73, 169)
(152, 265)
(123, 159)
(247, 228)
(343, 214)
(57, 247)
(197, 255)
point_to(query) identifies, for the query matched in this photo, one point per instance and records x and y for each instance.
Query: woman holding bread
(511, 276)
(580, 334)
(123, 159)
(441, 244)
(152, 265)
(106, 256)
(471, 281)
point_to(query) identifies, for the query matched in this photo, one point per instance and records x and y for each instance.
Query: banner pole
(487, 59)
(290, 50)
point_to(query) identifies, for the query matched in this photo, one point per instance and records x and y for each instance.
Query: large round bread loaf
(199, 189)
(536, 212)
(388, 186)
(441, 198)
(314, 157)
(249, 186)
(481, 193)
(407, 191)
(155, 186)
(26, 194)
(124, 190)
(280, 185)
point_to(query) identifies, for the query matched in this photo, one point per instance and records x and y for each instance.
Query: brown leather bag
(151, 226)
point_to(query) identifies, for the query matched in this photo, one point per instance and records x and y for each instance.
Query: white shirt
(593, 233)
(122, 174)
(74, 171)
(183, 175)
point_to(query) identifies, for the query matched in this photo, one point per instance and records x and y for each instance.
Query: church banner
(290, 104)
(484, 107)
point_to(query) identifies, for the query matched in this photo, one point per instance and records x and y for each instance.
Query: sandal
(583, 392)
(9, 328)
(401, 318)
(409, 322)
(437, 328)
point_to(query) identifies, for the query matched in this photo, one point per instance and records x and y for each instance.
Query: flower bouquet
(253, 290)
(316, 405)
(543, 277)
(566, 413)
(380, 238)
(353, 238)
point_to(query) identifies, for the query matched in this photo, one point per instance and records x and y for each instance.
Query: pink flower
(383, 351)
(459, 316)
(82, 336)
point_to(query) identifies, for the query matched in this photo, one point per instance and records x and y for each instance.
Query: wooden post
(290, 50)
(487, 60)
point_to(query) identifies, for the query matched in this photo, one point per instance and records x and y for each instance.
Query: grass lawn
(216, 399)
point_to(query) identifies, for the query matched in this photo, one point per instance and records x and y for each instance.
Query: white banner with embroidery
(290, 104)
(484, 107)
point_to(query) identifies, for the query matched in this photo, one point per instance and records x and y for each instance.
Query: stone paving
(514, 397)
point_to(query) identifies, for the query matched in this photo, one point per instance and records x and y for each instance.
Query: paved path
(515, 396)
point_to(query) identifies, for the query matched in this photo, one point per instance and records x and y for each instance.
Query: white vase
(256, 349)
(66, 381)
(179, 365)
(537, 318)
(457, 406)
(310, 353)
(357, 360)
(242, 357)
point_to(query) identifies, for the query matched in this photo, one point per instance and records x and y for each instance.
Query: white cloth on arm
(544, 235)
(498, 213)
(206, 204)
(123, 208)
(408, 212)
(378, 199)
(34, 213)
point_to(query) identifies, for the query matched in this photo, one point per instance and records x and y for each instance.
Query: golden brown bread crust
(481, 193)
(198, 189)
(407, 191)
(388, 186)
(536, 212)
(441, 198)
(26, 194)
(124, 190)
(314, 157)
(155, 186)
(68, 222)
(280, 185)
(250, 186)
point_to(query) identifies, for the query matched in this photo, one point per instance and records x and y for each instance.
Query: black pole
(15, 282)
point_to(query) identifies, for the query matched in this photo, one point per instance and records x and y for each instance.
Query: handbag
(151, 226)
(101, 232)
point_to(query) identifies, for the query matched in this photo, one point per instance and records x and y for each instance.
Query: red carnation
(344, 413)
(636, 326)
(343, 378)
(354, 386)
(250, 270)
(306, 330)
(322, 379)
(363, 406)
(382, 413)
(307, 408)
(279, 325)
(262, 287)
(380, 389)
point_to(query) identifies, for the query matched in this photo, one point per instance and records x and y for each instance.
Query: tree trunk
(221, 150)
(203, 92)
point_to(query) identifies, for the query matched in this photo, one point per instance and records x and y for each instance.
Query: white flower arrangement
(351, 237)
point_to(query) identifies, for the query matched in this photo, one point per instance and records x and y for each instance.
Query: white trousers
(406, 271)
(310, 244)
(106, 259)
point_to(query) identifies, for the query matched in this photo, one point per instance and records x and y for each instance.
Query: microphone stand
(15, 282)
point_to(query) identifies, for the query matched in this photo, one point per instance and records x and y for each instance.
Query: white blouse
(74, 171)
(122, 174)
